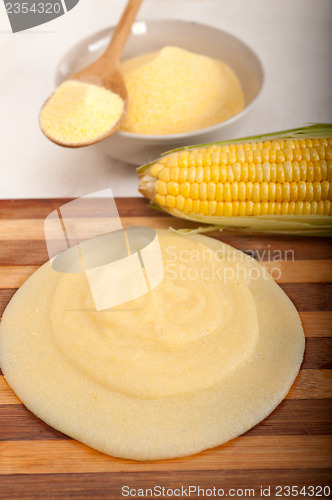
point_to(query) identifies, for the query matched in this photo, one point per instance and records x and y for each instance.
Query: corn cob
(253, 183)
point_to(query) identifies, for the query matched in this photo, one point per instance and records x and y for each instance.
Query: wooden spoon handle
(120, 35)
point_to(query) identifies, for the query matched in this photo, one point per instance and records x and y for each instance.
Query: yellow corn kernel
(265, 155)
(305, 154)
(329, 171)
(223, 158)
(297, 155)
(249, 156)
(299, 207)
(317, 171)
(211, 191)
(296, 172)
(264, 191)
(220, 192)
(242, 191)
(271, 208)
(257, 156)
(249, 188)
(230, 174)
(284, 208)
(215, 158)
(288, 171)
(323, 167)
(303, 171)
(183, 159)
(174, 174)
(228, 209)
(185, 189)
(202, 191)
(180, 201)
(192, 159)
(222, 173)
(302, 189)
(286, 191)
(199, 174)
(215, 173)
(325, 190)
(259, 172)
(241, 156)
(227, 192)
(207, 174)
(277, 208)
(320, 207)
(212, 207)
(196, 206)
(170, 201)
(188, 206)
(242, 208)
(309, 196)
(249, 207)
(272, 191)
(207, 160)
(278, 192)
(291, 208)
(160, 187)
(204, 210)
(310, 171)
(155, 169)
(164, 174)
(317, 191)
(273, 170)
(294, 191)
(306, 208)
(236, 207)
(280, 173)
(231, 157)
(252, 172)
(173, 160)
(160, 199)
(264, 207)
(173, 188)
(183, 174)
(244, 172)
(266, 172)
(257, 209)
(256, 192)
(313, 208)
(191, 174)
(220, 208)
(194, 191)
(273, 155)
(288, 152)
(235, 191)
(199, 159)
(237, 171)
(327, 207)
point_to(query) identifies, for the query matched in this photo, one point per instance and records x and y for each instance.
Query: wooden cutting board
(293, 446)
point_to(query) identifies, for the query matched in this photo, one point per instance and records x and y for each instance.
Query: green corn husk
(311, 225)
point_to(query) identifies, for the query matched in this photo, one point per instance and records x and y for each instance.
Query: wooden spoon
(105, 72)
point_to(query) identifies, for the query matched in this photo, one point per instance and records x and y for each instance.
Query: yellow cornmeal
(175, 91)
(79, 112)
(198, 360)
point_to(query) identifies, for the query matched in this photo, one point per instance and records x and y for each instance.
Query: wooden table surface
(293, 446)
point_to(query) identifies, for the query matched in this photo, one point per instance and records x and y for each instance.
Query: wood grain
(292, 446)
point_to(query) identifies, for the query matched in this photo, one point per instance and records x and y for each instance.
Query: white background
(293, 38)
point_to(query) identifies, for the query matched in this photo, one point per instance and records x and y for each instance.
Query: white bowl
(150, 36)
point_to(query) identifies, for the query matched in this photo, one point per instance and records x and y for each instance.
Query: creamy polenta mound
(175, 91)
(197, 361)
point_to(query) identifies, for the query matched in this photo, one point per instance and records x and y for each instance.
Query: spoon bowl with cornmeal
(92, 103)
